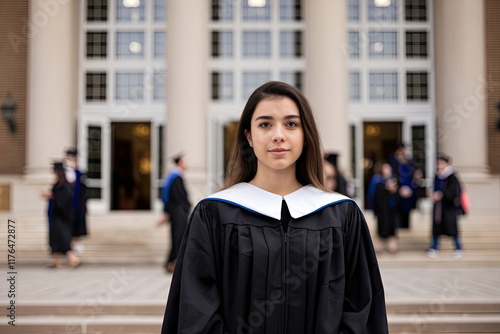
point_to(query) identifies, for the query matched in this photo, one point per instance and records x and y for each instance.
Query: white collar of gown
(301, 202)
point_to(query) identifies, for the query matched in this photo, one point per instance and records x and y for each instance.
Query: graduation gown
(238, 271)
(386, 210)
(61, 218)
(446, 210)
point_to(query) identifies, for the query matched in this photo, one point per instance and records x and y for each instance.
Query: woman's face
(276, 134)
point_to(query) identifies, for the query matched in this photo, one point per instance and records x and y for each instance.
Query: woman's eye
(292, 124)
(264, 125)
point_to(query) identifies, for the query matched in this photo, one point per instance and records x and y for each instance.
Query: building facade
(132, 83)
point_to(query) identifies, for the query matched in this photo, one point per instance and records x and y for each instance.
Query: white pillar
(187, 88)
(326, 74)
(52, 82)
(461, 84)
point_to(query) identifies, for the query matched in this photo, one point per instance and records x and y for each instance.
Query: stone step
(437, 323)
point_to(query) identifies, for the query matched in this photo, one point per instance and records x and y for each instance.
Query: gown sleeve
(364, 302)
(194, 303)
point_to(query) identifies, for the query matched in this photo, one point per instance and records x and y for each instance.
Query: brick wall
(492, 47)
(13, 67)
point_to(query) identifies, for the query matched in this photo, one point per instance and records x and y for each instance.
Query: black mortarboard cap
(72, 152)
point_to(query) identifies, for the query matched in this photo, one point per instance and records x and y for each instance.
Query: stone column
(326, 74)
(52, 96)
(461, 88)
(187, 89)
(52, 82)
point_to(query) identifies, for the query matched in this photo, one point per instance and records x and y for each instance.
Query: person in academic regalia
(176, 208)
(386, 199)
(79, 203)
(404, 168)
(446, 196)
(274, 251)
(61, 219)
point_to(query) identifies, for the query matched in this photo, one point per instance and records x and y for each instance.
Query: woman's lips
(278, 151)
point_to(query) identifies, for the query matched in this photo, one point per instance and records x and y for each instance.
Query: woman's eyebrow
(271, 118)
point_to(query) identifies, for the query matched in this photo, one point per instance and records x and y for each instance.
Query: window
(384, 86)
(354, 86)
(254, 13)
(252, 80)
(353, 44)
(130, 44)
(222, 10)
(415, 10)
(159, 86)
(222, 44)
(160, 11)
(133, 12)
(293, 78)
(96, 44)
(382, 10)
(222, 86)
(97, 10)
(416, 44)
(256, 44)
(290, 10)
(160, 44)
(95, 86)
(160, 157)
(416, 86)
(129, 86)
(383, 44)
(418, 147)
(94, 154)
(290, 44)
(353, 10)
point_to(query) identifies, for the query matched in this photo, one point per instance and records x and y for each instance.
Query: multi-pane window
(354, 86)
(353, 44)
(256, 44)
(382, 10)
(159, 85)
(130, 86)
(160, 44)
(417, 86)
(96, 44)
(256, 10)
(94, 153)
(293, 78)
(222, 86)
(290, 44)
(418, 147)
(252, 80)
(416, 44)
(95, 86)
(94, 158)
(353, 10)
(416, 10)
(160, 10)
(130, 44)
(130, 11)
(383, 44)
(222, 44)
(383, 86)
(222, 10)
(290, 10)
(97, 10)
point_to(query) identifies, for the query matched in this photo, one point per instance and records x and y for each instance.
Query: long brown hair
(242, 165)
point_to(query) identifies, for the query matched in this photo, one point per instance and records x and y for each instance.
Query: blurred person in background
(446, 197)
(176, 207)
(60, 219)
(79, 203)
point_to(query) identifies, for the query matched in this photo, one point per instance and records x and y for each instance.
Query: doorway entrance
(380, 140)
(130, 166)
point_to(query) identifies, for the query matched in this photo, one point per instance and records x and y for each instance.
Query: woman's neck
(277, 182)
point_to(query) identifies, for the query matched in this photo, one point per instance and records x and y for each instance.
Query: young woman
(274, 252)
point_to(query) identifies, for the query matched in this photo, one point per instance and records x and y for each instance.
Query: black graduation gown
(386, 210)
(61, 226)
(238, 272)
(178, 209)
(445, 210)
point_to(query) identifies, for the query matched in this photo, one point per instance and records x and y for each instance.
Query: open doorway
(380, 140)
(130, 166)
